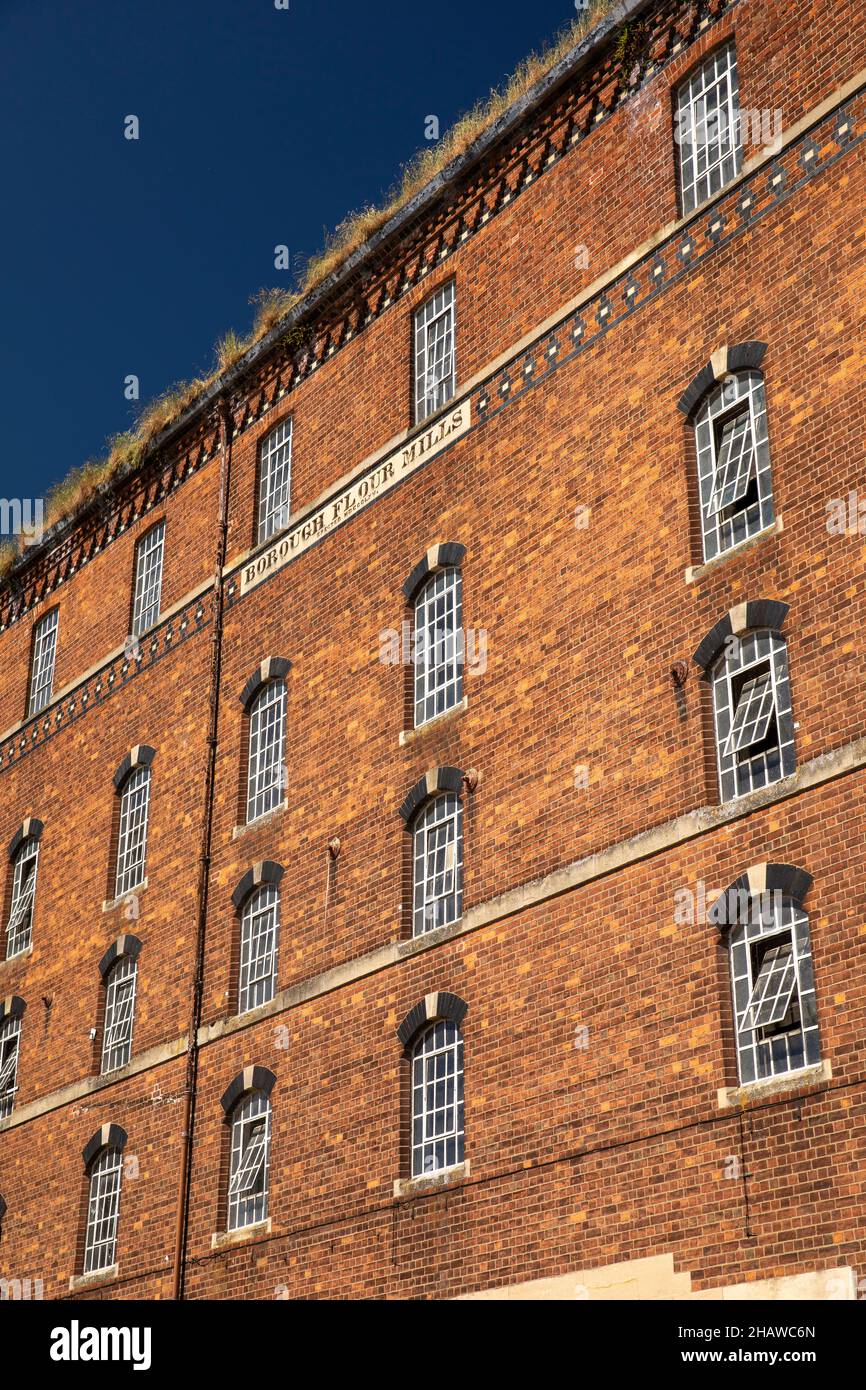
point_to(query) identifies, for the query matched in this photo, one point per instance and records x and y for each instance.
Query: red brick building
(377, 754)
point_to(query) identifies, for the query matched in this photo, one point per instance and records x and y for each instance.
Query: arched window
(438, 644)
(772, 979)
(275, 476)
(132, 834)
(119, 970)
(437, 1098)
(746, 661)
(103, 1158)
(437, 855)
(147, 589)
(11, 1014)
(42, 660)
(260, 936)
(24, 852)
(707, 131)
(250, 1155)
(435, 359)
(267, 737)
(733, 456)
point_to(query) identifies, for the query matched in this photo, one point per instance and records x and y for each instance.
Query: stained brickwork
(598, 1027)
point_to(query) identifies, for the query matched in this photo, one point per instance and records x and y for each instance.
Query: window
(434, 353)
(736, 493)
(437, 1099)
(265, 778)
(10, 1037)
(248, 1169)
(438, 646)
(275, 475)
(20, 924)
(754, 725)
(773, 989)
(119, 1014)
(132, 837)
(708, 128)
(260, 931)
(148, 579)
(438, 864)
(42, 666)
(103, 1211)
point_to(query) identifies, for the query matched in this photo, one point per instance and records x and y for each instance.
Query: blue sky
(257, 127)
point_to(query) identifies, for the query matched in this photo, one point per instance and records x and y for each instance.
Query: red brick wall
(578, 1158)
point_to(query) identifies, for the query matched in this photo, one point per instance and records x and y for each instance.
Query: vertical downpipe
(182, 1225)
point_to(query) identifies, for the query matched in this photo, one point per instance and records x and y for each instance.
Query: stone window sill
(79, 1282)
(755, 1091)
(225, 1240)
(19, 957)
(694, 572)
(432, 1182)
(249, 826)
(110, 904)
(409, 735)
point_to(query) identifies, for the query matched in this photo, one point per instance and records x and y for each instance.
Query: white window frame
(19, 929)
(275, 481)
(438, 644)
(793, 1044)
(266, 750)
(119, 1017)
(132, 833)
(103, 1211)
(708, 128)
(435, 352)
(739, 771)
(149, 553)
(10, 1048)
(43, 662)
(437, 1120)
(260, 943)
(740, 393)
(437, 863)
(249, 1206)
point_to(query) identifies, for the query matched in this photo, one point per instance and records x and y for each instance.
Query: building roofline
(566, 68)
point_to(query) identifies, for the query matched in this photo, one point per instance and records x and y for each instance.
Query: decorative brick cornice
(266, 871)
(124, 946)
(736, 903)
(438, 779)
(746, 617)
(549, 131)
(108, 1136)
(733, 214)
(272, 668)
(29, 829)
(252, 1078)
(438, 557)
(431, 1008)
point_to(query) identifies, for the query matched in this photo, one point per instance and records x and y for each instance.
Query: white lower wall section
(656, 1278)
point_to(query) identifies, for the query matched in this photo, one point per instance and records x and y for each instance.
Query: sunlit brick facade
(429, 950)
